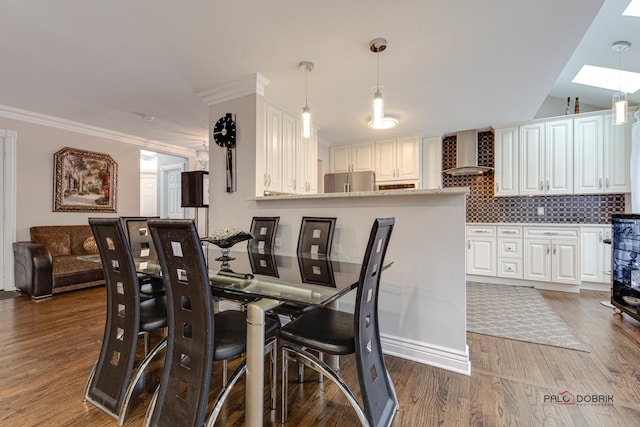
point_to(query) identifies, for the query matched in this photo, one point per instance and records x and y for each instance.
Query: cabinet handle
(548, 248)
(600, 183)
(509, 232)
(600, 236)
(497, 186)
(555, 247)
(606, 183)
(469, 244)
(547, 185)
(265, 180)
(480, 231)
(541, 185)
(294, 184)
(344, 187)
(550, 233)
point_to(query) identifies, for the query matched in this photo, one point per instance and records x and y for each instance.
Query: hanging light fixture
(378, 119)
(202, 156)
(306, 66)
(620, 104)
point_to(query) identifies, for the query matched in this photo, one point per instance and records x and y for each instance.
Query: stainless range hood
(467, 155)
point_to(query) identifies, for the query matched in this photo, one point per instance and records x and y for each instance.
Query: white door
(617, 152)
(408, 158)
(148, 194)
(170, 192)
(532, 159)
(386, 160)
(506, 162)
(481, 258)
(537, 260)
(588, 161)
(566, 262)
(7, 207)
(590, 251)
(559, 157)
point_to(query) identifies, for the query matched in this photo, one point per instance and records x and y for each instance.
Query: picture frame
(84, 181)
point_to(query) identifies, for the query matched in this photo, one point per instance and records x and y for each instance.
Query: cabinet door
(385, 160)
(363, 157)
(559, 157)
(587, 160)
(532, 152)
(289, 153)
(591, 254)
(311, 162)
(506, 161)
(566, 261)
(537, 260)
(617, 155)
(340, 158)
(481, 256)
(432, 162)
(408, 158)
(273, 157)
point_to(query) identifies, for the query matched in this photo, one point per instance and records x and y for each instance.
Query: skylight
(633, 9)
(608, 78)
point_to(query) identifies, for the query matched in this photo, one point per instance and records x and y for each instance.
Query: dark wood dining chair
(316, 235)
(112, 380)
(345, 333)
(197, 336)
(263, 229)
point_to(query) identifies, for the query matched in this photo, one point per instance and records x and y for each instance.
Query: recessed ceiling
(449, 65)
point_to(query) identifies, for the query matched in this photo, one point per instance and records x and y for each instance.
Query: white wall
(553, 107)
(36, 145)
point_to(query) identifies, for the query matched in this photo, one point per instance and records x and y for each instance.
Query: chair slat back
(117, 355)
(316, 235)
(264, 230)
(139, 235)
(184, 388)
(377, 391)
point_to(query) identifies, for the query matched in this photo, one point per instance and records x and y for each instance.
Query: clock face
(224, 131)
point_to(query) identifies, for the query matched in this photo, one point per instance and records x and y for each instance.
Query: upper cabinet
(398, 159)
(290, 160)
(506, 161)
(546, 158)
(352, 158)
(432, 162)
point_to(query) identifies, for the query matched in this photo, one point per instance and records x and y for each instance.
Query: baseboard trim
(547, 286)
(433, 355)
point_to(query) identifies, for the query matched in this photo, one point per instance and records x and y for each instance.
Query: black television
(625, 259)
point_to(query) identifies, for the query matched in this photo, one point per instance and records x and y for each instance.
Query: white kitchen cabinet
(506, 161)
(509, 251)
(546, 158)
(601, 155)
(595, 254)
(352, 157)
(288, 152)
(397, 159)
(552, 255)
(432, 162)
(481, 250)
(307, 165)
(273, 152)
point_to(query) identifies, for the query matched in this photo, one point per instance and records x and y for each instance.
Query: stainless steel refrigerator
(347, 182)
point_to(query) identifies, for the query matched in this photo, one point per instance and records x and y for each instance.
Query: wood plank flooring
(47, 349)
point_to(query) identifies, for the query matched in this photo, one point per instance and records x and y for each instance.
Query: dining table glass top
(310, 279)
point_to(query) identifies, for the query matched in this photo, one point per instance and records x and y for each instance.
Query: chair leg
(274, 371)
(319, 366)
(88, 386)
(147, 343)
(226, 389)
(224, 371)
(285, 384)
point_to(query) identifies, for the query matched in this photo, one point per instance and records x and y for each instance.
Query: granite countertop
(534, 224)
(381, 193)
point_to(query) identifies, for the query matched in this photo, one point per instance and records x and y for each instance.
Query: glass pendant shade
(377, 109)
(306, 122)
(620, 107)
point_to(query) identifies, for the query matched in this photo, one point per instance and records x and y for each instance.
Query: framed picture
(84, 181)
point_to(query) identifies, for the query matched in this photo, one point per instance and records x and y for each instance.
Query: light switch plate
(540, 210)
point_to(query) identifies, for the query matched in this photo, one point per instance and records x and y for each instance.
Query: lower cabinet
(510, 252)
(552, 255)
(481, 250)
(595, 254)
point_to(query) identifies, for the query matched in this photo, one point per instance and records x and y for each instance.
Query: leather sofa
(49, 263)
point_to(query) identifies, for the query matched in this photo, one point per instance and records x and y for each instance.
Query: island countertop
(381, 193)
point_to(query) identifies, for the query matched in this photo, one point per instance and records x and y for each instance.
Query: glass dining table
(266, 279)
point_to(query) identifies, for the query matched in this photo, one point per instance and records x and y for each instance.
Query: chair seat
(292, 310)
(322, 329)
(230, 335)
(153, 314)
(150, 286)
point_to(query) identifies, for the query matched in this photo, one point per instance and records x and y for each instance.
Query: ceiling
(449, 65)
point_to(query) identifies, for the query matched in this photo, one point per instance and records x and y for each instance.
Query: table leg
(331, 360)
(254, 402)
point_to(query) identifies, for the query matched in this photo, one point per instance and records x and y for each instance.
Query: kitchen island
(422, 296)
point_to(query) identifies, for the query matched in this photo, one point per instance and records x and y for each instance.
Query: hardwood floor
(47, 349)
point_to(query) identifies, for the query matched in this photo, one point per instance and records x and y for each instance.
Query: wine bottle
(576, 107)
(568, 110)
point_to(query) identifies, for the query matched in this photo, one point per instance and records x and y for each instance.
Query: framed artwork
(84, 181)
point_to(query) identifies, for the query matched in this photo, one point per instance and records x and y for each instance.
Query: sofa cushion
(71, 264)
(58, 243)
(90, 245)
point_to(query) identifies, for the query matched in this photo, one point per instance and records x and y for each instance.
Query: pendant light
(378, 119)
(620, 104)
(306, 66)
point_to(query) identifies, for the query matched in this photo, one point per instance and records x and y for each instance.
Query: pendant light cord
(306, 87)
(378, 70)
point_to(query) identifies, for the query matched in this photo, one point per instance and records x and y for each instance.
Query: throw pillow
(90, 245)
(58, 244)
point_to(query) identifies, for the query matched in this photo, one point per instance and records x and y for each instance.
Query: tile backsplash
(483, 207)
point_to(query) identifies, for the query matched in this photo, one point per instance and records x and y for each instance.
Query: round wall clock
(224, 131)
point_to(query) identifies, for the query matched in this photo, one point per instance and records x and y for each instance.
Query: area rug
(516, 313)
(8, 294)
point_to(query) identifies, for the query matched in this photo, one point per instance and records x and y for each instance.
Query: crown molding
(248, 85)
(59, 123)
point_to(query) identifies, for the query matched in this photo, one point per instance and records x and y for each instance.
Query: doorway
(7, 206)
(160, 184)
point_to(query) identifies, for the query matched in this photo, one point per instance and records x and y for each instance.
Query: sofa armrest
(33, 268)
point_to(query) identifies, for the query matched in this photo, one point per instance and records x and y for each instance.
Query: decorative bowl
(228, 237)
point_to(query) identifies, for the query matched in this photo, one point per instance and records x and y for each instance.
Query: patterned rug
(516, 313)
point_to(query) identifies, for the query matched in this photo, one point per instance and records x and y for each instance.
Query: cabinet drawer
(551, 233)
(481, 231)
(509, 231)
(511, 268)
(509, 248)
